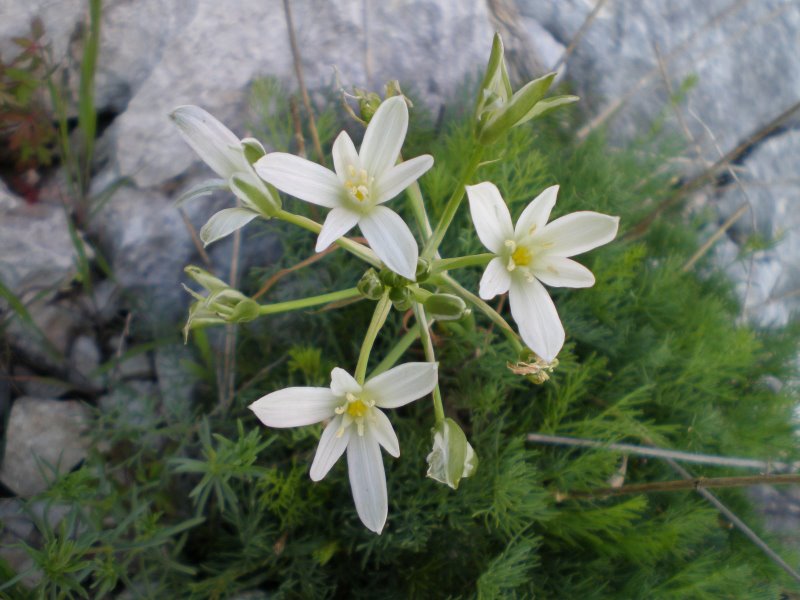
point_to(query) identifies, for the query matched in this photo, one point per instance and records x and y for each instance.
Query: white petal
(331, 447)
(391, 239)
(224, 223)
(578, 232)
(384, 136)
(397, 178)
(383, 431)
(295, 406)
(219, 148)
(558, 271)
(344, 154)
(342, 383)
(490, 215)
(535, 215)
(536, 316)
(496, 279)
(368, 480)
(301, 178)
(338, 222)
(402, 384)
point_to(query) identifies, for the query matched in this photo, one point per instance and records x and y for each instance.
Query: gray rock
(30, 383)
(769, 185)
(742, 53)
(35, 246)
(102, 304)
(432, 45)
(43, 438)
(84, 356)
(47, 341)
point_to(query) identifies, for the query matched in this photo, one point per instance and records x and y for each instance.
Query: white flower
(356, 424)
(226, 154)
(533, 253)
(362, 183)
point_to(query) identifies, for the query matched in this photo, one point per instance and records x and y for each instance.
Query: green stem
(378, 319)
(432, 245)
(449, 264)
(415, 201)
(279, 307)
(493, 315)
(359, 250)
(397, 351)
(427, 344)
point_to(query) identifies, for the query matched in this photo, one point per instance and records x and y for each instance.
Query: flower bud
(452, 457)
(368, 103)
(401, 298)
(222, 304)
(370, 285)
(423, 270)
(445, 307)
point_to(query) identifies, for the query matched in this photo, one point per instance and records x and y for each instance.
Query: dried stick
(692, 483)
(678, 455)
(298, 68)
(198, 244)
(228, 379)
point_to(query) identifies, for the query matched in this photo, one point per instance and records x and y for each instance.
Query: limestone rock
(43, 436)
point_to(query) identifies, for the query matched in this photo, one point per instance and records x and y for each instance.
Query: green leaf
(545, 106)
(517, 108)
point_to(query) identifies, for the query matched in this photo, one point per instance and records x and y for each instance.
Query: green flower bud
(205, 279)
(445, 307)
(452, 457)
(368, 103)
(392, 279)
(246, 310)
(370, 285)
(423, 269)
(401, 298)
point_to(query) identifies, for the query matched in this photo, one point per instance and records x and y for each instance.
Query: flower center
(354, 410)
(519, 257)
(358, 184)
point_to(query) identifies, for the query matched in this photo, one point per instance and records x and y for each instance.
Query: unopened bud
(423, 270)
(401, 297)
(370, 285)
(445, 307)
(452, 457)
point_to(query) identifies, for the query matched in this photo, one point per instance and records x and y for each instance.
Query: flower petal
(368, 480)
(402, 384)
(557, 271)
(344, 154)
(496, 279)
(338, 222)
(342, 383)
(384, 136)
(219, 148)
(301, 178)
(490, 215)
(577, 232)
(391, 239)
(225, 222)
(295, 406)
(536, 316)
(397, 178)
(331, 447)
(383, 431)
(535, 215)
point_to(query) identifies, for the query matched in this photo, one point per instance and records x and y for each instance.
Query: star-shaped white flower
(362, 183)
(532, 253)
(357, 425)
(225, 153)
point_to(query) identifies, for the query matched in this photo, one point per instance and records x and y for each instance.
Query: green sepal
(516, 109)
(253, 150)
(546, 105)
(246, 310)
(255, 195)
